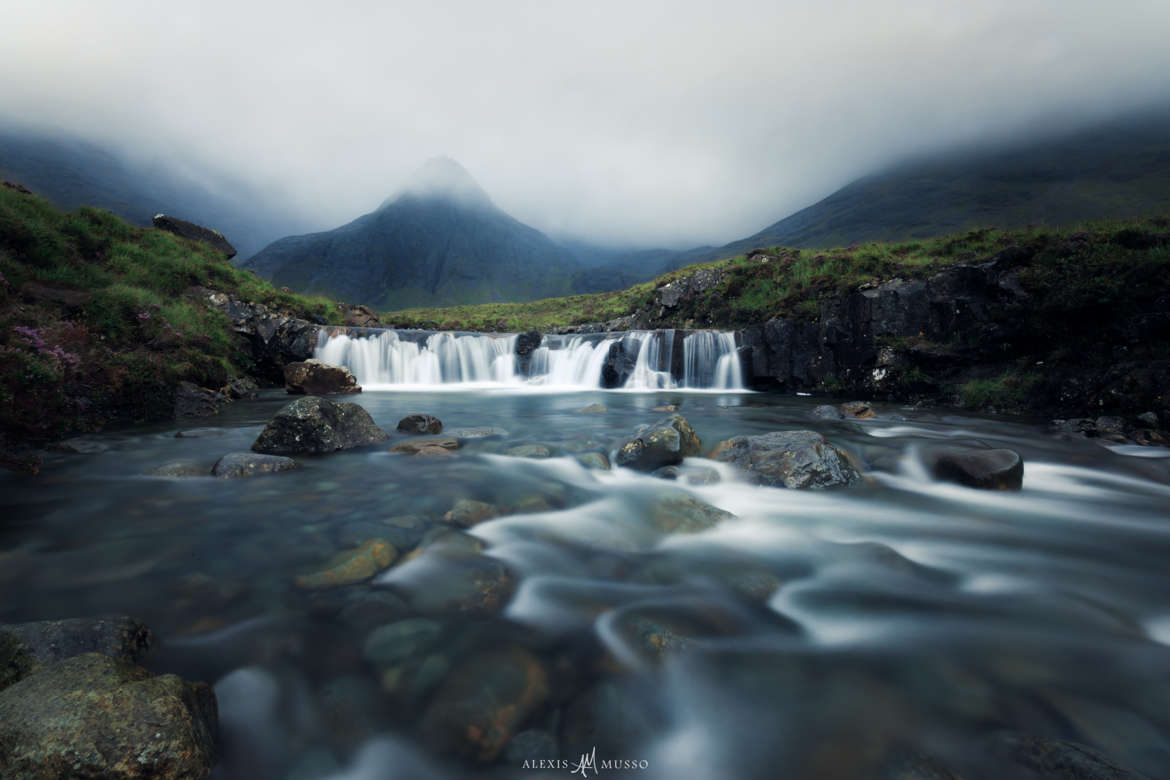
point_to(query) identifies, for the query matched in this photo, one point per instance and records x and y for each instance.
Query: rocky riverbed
(498, 583)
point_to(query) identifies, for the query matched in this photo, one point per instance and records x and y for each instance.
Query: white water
(387, 360)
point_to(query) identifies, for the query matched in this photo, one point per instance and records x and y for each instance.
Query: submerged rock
(1054, 758)
(314, 425)
(468, 512)
(420, 423)
(482, 700)
(401, 641)
(417, 446)
(529, 451)
(685, 514)
(102, 717)
(179, 468)
(472, 434)
(236, 465)
(791, 459)
(1000, 469)
(593, 460)
(592, 409)
(351, 566)
(314, 377)
(663, 443)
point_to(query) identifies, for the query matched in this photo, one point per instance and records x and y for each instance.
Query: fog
(651, 123)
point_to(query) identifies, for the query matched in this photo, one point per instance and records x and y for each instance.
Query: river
(842, 633)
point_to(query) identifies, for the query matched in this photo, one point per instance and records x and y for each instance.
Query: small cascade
(710, 361)
(637, 360)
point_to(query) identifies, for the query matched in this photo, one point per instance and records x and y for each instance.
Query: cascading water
(389, 358)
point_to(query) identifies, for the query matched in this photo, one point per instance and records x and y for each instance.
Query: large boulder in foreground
(314, 426)
(101, 717)
(791, 459)
(985, 469)
(314, 377)
(185, 229)
(664, 443)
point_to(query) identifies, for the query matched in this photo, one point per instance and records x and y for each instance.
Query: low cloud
(673, 123)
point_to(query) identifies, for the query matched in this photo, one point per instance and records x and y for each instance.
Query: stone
(432, 452)
(665, 408)
(448, 580)
(529, 451)
(480, 702)
(827, 412)
(468, 512)
(401, 641)
(1054, 758)
(685, 514)
(859, 409)
(100, 717)
(359, 315)
(241, 388)
(472, 434)
(592, 409)
(1148, 419)
(999, 469)
(416, 446)
(597, 461)
(193, 232)
(26, 647)
(530, 745)
(663, 443)
(191, 400)
(420, 423)
(314, 426)
(351, 566)
(179, 468)
(236, 465)
(790, 459)
(200, 433)
(314, 377)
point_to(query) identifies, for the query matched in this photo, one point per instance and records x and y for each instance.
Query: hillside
(440, 240)
(1117, 169)
(71, 173)
(101, 320)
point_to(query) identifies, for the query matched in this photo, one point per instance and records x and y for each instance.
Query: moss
(1008, 390)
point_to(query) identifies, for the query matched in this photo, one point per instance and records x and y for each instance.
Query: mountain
(72, 172)
(1116, 169)
(439, 241)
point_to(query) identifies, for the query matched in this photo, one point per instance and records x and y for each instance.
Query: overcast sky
(670, 123)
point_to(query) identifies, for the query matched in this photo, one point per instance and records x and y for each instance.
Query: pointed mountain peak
(441, 178)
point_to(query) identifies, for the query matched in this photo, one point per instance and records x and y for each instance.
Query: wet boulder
(236, 465)
(314, 426)
(858, 409)
(314, 377)
(241, 388)
(597, 461)
(664, 443)
(468, 512)
(96, 716)
(827, 412)
(179, 468)
(791, 459)
(420, 423)
(999, 469)
(685, 514)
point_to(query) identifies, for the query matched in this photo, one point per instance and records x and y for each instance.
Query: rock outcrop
(189, 230)
(663, 443)
(790, 459)
(315, 426)
(271, 338)
(315, 377)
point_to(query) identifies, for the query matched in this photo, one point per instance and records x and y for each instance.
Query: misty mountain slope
(71, 172)
(1113, 170)
(439, 241)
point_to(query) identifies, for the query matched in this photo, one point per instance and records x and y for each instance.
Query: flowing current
(645, 360)
(544, 608)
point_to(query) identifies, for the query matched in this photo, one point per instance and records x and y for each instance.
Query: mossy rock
(351, 566)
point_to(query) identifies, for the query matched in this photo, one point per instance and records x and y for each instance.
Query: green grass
(794, 282)
(100, 319)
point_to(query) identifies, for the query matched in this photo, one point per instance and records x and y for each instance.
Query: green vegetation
(1093, 261)
(1008, 390)
(99, 319)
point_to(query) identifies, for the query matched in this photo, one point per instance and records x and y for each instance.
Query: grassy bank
(98, 320)
(1090, 262)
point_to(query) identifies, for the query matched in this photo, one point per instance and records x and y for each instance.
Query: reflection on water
(854, 633)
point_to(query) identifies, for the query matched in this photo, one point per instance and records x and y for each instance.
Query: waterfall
(710, 360)
(398, 359)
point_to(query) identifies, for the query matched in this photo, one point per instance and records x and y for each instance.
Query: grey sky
(647, 122)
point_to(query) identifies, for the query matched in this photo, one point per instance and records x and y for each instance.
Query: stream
(897, 628)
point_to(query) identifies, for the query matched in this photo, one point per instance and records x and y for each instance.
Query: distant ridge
(439, 240)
